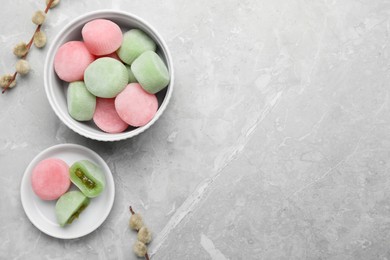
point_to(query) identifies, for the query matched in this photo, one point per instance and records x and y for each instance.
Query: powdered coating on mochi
(106, 77)
(151, 72)
(102, 36)
(134, 43)
(50, 178)
(81, 103)
(106, 117)
(71, 60)
(135, 106)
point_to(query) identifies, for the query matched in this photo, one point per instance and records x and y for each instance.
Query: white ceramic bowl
(56, 88)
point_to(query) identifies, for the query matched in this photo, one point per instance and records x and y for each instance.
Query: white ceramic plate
(42, 213)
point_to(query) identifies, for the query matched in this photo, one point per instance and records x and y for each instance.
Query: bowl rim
(73, 124)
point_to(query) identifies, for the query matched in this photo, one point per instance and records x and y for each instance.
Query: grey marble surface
(275, 145)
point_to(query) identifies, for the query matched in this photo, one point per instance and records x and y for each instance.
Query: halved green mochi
(88, 177)
(69, 206)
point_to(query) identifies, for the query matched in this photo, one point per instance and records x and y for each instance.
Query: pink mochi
(71, 60)
(102, 36)
(106, 117)
(136, 106)
(50, 179)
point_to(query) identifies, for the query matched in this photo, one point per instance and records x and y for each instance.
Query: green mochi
(106, 77)
(69, 206)
(151, 72)
(88, 177)
(132, 78)
(81, 103)
(134, 43)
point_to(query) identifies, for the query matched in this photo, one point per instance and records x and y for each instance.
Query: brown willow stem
(28, 48)
(131, 210)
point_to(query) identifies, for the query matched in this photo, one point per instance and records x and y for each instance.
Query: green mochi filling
(88, 177)
(76, 214)
(84, 179)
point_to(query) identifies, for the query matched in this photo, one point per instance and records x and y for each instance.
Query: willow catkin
(40, 39)
(38, 17)
(136, 221)
(144, 235)
(22, 67)
(20, 49)
(140, 249)
(5, 79)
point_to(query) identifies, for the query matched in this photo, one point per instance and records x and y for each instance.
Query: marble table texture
(275, 144)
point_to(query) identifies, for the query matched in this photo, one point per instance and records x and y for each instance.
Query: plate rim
(109, 180)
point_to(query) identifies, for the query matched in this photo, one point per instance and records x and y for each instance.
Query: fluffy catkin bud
(55, 2)
(144, 235)
(140, 249)
(20, 49)
(38, 17)
(22, 67)
(136, 221)
(5, 79)
(40, 39)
